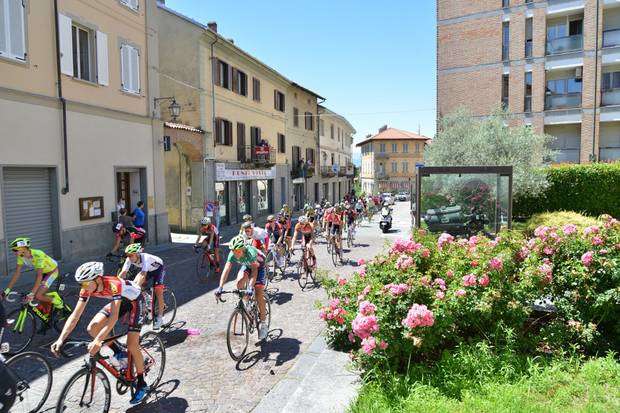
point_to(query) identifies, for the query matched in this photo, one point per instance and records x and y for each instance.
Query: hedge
(590, 189)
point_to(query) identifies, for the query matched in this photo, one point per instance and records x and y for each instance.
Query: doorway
(131, 188)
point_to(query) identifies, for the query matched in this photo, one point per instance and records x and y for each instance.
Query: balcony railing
(610, 97)
(565, 44)
(350, 170)
(257, 155)
(327, 171)
(565, 101)
(611, 38)
(302, 171)
(381, 175)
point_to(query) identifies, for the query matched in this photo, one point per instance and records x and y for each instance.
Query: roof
(394, 134)
(172, 125)
(329, 111)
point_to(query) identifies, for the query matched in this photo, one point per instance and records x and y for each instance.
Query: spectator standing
(138, 215)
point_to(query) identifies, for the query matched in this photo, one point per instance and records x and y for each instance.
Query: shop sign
(223, 174)
(298, 180)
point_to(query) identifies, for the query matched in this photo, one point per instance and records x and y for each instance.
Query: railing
(611, 38)
(564, 101)
(258, 155)
(565, 44)
(350, 170)
(302, 171)
(327, 171)
(610, 97)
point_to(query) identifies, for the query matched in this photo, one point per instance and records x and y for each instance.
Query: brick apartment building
(537, 59)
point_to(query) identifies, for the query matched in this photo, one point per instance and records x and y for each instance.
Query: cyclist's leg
(158, 287)
(46, 282)
(259, 288)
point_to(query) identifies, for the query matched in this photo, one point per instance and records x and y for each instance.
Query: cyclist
(275, 230)
(336, 225)
(151, 268)
(359, 206)
(311, 214)
(255, 236)
(350, 215)
(306, 229)
(127, 303)
(46, 272)
(327, 218)
(246, 218)
(252, 274)
(211, 238)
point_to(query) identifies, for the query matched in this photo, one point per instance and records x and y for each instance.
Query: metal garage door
(28, 208)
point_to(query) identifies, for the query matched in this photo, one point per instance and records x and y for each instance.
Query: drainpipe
(204, 159)
(180, 189)
(63, 102)
(593, 156)
(318, 144)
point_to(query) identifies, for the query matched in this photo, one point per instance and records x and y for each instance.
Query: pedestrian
(120, 205)
(138, 215)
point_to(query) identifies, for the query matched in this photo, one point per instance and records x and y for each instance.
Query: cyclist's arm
(37, 281)
(125, 268)
(253, 274)
(212, 239)
(72, 321)
(225, 273)
(293, 239)
(16, 275)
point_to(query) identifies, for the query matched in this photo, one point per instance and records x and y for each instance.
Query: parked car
(387, 197)
(402, 196)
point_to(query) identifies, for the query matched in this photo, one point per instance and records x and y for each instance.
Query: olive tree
(463, 140)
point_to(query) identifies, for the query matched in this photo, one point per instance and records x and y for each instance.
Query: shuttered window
(130, 68)
(278, 101)
(82, 45)
(132, 4)
(223, 132)
(240, 82)
(255, 135)
(255, 89)
(12, 29)
(223, 73)
(296, 117)
(310, 156)
(309, 121)
(281, 143)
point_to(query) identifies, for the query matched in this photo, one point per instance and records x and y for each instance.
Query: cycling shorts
(260, 276)
(335, 229)
(49, 278)
(306, 238)
(157, 276)
(132, 313)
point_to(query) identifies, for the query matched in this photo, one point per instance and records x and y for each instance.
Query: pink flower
(367, 308)
(440, 295)
(383, 345)
(342, 281)
(569, 229)
(363, 326)
(587, 258)
(361, 262)
(425, 281)
(368, 345)
(334, 303)
(484, 280)
(541, 232)
(323, 315)
(396, 289)
(473, 241)
(593, 229)
(603, 251)
(596, 240)
(364, 293)
(425, 253)
(469, 280)
(404, 262)
(547, 271)
(460, 293)
(351, 337)
(362, 272)
(444, 239)
(440, 283)
(419, 316)
(450, 273)
(523, 253)
(611, 222)
(496, 263)
(404, 246)
(548, 250)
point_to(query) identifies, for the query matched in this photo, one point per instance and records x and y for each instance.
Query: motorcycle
(386, 220)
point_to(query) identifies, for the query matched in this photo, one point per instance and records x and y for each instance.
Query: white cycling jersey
(258, 234)
(147, 263)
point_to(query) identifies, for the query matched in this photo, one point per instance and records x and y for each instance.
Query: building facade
(79, 124)
(552, 64)
(389, 160)
(336, 168)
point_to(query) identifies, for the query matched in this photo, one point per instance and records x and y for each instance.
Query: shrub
(558, 219)
(590, 189)
(429, 294)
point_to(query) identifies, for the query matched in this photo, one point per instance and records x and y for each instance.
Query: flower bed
(429, 294)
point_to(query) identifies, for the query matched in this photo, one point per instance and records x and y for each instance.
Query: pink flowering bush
(433, 292)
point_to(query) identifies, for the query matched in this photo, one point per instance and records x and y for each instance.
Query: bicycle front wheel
(86, 391)
(34, 381)
(238, 334)
(334, 254)
(154, 353)
(19, 330)
(170, 307)
(203, 267)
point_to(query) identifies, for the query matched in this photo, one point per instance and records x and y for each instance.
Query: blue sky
(374, 61)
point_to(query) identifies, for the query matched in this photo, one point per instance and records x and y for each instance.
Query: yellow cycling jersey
(39, 261)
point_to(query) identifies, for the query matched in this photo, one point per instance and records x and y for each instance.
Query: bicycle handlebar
(238, 292)
(84, 343)
(8, 298)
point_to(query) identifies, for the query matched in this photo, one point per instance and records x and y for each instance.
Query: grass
(474, 379)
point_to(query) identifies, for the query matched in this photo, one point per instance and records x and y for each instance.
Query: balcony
(260, 156)
(610, 97)
(382, 155)
(611, 38)
(565, 44)
(350, 170)
(327, 171)
(563, 101)
(300, 170)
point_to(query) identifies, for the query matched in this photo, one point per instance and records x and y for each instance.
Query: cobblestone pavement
(200, 376)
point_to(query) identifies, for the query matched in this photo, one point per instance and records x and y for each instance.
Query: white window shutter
(4, 48)
(17, 45)
(135, 4)
(135, 70)
(125, 70)
(66, 46)
(103, 77)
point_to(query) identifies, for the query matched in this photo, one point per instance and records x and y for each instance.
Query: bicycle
(350, 236)
(76, 395)
(170, 306)
(206, 263)
(336, 253)
(276, 259)
(243, 321)
(22, 322)
(306, 268)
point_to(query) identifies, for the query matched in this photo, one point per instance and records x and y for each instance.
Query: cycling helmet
(281, 217)
(133, 249)
(237, 242)
(303, 219)
(246, 225)
(20, 242)
(270, 218)
(317, 206)
(88, 271)
(248, 218)
(205, 221)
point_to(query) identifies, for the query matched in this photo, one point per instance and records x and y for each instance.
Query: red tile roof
(394, 134)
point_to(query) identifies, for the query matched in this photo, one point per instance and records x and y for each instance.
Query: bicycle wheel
(20, 329)
(34, 381)
(301, 274)
(238, 334)
(349, 238)
(329, 245)
(170, 307)
(154, 353)
(85, 391)
(203, 266)
(334, 253)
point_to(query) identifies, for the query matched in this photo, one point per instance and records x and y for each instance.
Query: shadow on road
(159, 400)
(286, 348)
(173, 337)
(280, 298)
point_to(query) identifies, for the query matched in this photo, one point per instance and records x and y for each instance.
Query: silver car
(387, 197)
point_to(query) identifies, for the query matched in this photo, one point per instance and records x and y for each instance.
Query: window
(130, 69)
(405, 167)
(505, 3)
(222, 74)
(255, 135)
(382, 147)
(12, 29)
(417, 148)
(505, 40)
(309, 121)
(82, 41)
(281, 143)
(331, 130)
(505, 91)
(255, 89)
(529, 36)
(310, 156)
(278, 100)
(223, 132)
(243, 199)
(610, 81)
(564, 86)
(322, 127)
(240, 82)
(394, 167)
(264, 195)
(296, 156)
(405, 148)
(394, 147)
(528, 92)
(296, 117)
(132, 4)
(333, 159)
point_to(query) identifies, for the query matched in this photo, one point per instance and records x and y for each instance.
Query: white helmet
(303, 219)
(205, 221)
(88, 271)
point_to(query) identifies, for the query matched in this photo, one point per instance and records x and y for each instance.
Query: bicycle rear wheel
(20, 329)
(34, 381)
(154, 353)
(85, 391)
(203, 266)
(238, 334)
(170, 307)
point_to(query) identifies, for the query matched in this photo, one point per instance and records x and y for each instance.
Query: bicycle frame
(46, 318)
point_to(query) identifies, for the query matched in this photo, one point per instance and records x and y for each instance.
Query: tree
(463, 140)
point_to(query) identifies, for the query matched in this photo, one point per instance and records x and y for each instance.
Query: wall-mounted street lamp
(174, 108)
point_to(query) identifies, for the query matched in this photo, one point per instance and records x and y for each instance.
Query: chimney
(232, 41)
(212, 26)
(382, 128)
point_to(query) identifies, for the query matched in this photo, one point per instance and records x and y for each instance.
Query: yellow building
(389, 160)
(79, 128)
